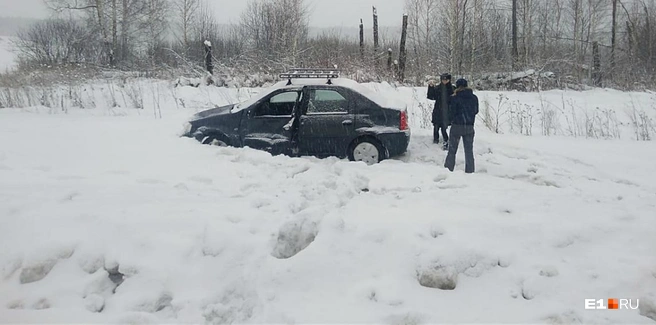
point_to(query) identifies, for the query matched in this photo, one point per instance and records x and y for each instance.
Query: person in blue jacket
(462, 115)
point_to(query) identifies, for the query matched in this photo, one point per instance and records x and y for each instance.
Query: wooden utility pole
(515, 52)
(361, 39)
(389, 59)
(124, 31)
(596, 64)
(402, 51)
(112, 53)
(461, 49)
(613, 36)
(375, 36)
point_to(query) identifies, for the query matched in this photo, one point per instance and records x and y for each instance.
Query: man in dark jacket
(441, 94)
(462, 114)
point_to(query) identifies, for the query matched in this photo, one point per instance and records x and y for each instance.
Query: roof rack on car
(307, 73)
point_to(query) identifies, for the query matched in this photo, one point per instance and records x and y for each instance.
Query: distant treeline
(594, 42)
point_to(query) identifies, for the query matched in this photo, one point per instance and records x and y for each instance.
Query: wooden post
(402, 51)
(208, 57)
(515, 52)
(361, 39)
(112, 52)
(629, 32)
(596, 64)
(375, 36)
(613, 36)
(389, 59)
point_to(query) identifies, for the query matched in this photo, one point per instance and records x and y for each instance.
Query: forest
(550, 43)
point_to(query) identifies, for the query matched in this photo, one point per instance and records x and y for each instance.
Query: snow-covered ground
(107, 216)
(7, 57)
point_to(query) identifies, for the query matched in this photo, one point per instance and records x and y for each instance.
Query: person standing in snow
(441, 94)
(462, 115)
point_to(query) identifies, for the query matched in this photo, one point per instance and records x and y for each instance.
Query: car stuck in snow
(310, 113)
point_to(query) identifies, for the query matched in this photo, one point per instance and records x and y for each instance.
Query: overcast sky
(325, 13)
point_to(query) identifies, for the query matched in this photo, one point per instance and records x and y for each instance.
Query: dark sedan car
(310, 117)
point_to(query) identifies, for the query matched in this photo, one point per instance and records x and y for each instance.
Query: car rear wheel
(367, 150)
(215, 141)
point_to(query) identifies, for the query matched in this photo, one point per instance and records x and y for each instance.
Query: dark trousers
(467, 134)
(436, 133)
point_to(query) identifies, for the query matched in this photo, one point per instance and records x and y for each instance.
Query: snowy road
(214, 235)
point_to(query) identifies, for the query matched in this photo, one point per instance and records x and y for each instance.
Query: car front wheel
(214, 141)
(367, 150)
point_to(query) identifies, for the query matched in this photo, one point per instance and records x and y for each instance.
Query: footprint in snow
(181, 186)
(568, 317)
(626, 182)
(505, 210)
(293, 237)
(202, 180)
(405, 319)
(260, 203)
(549, 271)
(647, 308)
(452, 186)
(118, 172)
(41, 304)
(70, 178)
(443, 278)
(94, 303)
(150, 181)
(163, 301)
(15, 304)
(436, 231)
(36, 271)
(69, 197)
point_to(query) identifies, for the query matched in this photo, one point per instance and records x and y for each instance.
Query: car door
(326, 123)
(268, 125)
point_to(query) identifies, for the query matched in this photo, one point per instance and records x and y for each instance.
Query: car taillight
(403, 125)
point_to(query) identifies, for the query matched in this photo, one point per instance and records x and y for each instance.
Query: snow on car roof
(343, 82)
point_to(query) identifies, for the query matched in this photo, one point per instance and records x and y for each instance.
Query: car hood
(223, 110)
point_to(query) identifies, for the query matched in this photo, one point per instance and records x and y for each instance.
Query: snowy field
(106, 216)
(7, 57)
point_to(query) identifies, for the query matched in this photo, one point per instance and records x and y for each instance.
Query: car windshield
(247, 103)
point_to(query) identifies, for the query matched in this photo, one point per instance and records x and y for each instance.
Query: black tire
(367, 149)
(216, 140)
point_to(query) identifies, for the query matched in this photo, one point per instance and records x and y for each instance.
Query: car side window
(281, 104)
(325, 101)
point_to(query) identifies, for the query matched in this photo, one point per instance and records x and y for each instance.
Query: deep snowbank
(598, 113)
(107, 216)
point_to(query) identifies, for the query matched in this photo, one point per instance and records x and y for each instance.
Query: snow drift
(107, 216)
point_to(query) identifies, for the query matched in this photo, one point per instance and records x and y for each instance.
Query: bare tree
(579, 40)
(93, 7)
(422, 34)
(186, 12)
(54, 42)
(277, 29)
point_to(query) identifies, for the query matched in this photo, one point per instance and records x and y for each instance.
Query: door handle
(347, 122)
